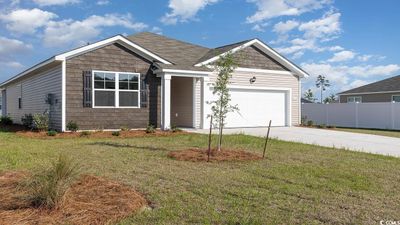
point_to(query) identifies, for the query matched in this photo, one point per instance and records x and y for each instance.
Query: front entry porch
(182, 98)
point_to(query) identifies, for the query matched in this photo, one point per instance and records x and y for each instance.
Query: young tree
(225, 66)
(322, 83)
(330, 99)
(309, 95)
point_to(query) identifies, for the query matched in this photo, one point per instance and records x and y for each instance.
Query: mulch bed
(98, 134)
(90, 200)
(201, 155)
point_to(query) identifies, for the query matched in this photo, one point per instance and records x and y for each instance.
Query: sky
(351, 43)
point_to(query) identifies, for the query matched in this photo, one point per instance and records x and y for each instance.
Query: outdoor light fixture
(252, 80)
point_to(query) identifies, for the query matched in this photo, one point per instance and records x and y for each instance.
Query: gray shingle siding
(116, 58)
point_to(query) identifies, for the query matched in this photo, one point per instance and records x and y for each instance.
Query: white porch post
(166, 102)
(206, 96)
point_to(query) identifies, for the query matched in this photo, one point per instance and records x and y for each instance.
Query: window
(354, 99)
(116, 89)
(396, 98)
(19, 103)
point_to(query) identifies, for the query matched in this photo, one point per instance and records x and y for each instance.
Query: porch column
(206, 97)
(166, 102)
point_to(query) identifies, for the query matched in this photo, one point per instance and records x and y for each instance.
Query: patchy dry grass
(296, 184)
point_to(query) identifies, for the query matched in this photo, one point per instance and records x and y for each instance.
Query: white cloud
(314, 32)
(103, 2)
(267, 9)
(347, 77)
(260, 27)
(12, 64)
(9, 49)
(12, 46)
(80, 32)
(55, 2)
(156, 30)
(344, 71)
(183, 10)
(342, 56)
(336, 48)
(284, 27)
(27, 21)
(325, 28)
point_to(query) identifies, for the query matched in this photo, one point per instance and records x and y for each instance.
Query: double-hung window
(116, 89)
(354, 99)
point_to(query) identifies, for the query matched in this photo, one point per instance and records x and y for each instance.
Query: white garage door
(257, 107)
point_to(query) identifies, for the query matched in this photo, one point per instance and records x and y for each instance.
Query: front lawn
(297, 184)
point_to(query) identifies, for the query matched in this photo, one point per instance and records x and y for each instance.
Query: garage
(258, 106)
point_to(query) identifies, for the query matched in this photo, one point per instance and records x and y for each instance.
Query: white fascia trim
(269, 51)
(28, 71)
(63, 95)
(251, 70)
(106, 42)
(191, 73)
(258, 88)
(370, 93)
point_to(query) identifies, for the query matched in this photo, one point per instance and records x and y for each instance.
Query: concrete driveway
(329, 138)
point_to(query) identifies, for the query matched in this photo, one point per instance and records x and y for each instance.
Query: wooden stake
(209, 140)
(266, 140)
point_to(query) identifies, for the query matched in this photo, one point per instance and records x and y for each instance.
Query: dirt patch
(197, 155)
(98, 134)
(91, 200)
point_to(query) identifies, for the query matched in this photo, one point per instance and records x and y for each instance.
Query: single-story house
(146, 78)
(387, 90)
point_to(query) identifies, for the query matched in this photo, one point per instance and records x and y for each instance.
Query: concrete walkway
(329, 138)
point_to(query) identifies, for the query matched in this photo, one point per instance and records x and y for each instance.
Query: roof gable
(261, 46)
(387, 85)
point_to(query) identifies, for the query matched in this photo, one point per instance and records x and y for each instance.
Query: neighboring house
(387, 90)
(151, 79)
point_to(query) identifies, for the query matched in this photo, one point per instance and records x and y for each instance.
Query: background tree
(322, 83)
(330, 99)
(309, 95)
(225, 66)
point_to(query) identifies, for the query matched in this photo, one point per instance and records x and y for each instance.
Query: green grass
(297, 184)
(388, 133)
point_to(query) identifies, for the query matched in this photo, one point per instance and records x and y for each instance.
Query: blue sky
(350, 42)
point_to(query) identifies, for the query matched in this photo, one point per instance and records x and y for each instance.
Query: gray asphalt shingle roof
(387, 85)
(175, 51)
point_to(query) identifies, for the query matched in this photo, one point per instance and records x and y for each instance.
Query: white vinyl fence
(382, 115)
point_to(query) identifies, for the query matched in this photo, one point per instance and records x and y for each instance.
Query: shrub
(27, 121)
(303, 120)
(323, 126)
(310, 123)
(174, 129)
(51, 133)
(116, 133)
(72, 126)
(41, 121)
(6, 120)
(124, 128)
(85, 133)
(331, 126)
(150, 129)
(47, 187)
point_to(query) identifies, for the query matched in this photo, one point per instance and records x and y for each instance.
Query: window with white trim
(354, 99)
(396, 98)
(116, 89)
